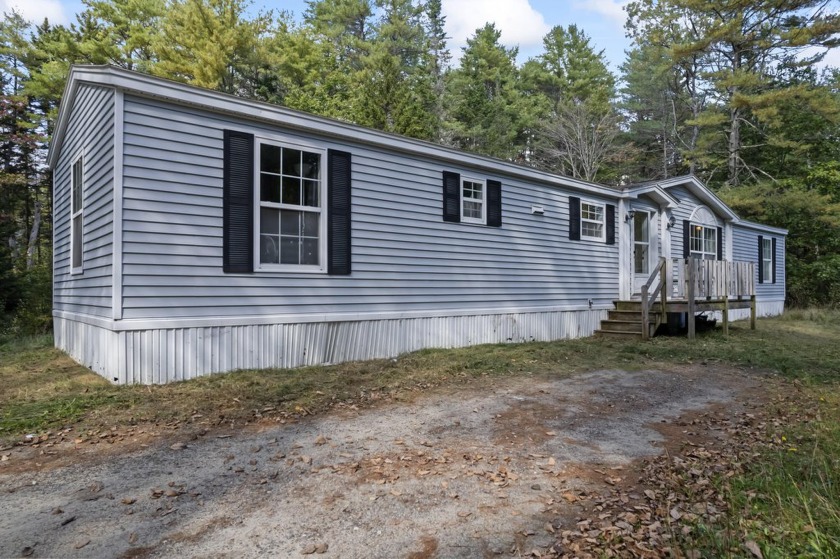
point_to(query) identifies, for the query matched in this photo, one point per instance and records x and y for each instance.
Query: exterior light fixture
(630, 215)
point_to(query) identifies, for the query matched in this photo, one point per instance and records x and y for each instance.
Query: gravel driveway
(481, 471)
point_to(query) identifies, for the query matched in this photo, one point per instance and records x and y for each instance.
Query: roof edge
(161, 88)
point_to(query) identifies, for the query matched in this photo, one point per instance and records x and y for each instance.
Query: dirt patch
(482, 472)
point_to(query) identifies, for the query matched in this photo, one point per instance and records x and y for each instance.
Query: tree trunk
(734, 146)
(33, 237)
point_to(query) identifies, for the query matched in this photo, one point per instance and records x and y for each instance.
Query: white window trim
(475, 220)
(603, 222)
(285, 142)
(693, 227)
(767, 256)
(80, 158)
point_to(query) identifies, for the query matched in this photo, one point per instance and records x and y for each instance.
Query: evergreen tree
(396, 92)
(210, 43)
(487, 107)
(571, 92)
(24, 191)
(124, 32)
(737, 45)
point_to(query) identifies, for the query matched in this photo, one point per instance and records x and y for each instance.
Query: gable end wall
(90, 131)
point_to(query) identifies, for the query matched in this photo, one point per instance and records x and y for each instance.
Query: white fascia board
(64, 106)
(761, 227)
(160, 88)
(701, 191)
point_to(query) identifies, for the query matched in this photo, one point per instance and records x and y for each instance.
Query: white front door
(641, 249)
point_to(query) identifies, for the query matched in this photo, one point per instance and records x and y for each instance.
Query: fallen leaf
(178, 446)
(129, 501)
(753, 548)
(132, 538)
(81, 544)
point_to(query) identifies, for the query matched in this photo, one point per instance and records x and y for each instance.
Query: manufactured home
(198, 232)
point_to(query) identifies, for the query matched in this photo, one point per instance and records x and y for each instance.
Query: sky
(523, 23)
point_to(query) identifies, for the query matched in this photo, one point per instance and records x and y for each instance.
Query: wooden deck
(685, 285)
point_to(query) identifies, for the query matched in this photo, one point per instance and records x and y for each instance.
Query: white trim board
(203, 322)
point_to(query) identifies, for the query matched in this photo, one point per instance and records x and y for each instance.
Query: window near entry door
(290, 220)
(703, 242)
(592, 221)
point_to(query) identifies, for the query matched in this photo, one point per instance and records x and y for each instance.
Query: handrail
(647, 302)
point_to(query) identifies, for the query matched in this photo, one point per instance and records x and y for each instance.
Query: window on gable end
(767, 257)
(77, 212)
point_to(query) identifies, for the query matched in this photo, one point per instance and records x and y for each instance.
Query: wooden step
(622, 325)
(635, 316)
(634, 305)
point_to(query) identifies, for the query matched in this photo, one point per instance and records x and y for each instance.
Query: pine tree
(210, 43)
(124, 32)
(736, 45)
(488, 109)
(571, 92)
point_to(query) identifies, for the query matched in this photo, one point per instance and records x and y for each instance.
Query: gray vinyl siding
(688, 203)
(404, 257)
(90, 130)
(745, 247)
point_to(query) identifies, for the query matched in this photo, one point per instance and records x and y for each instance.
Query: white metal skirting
(762, 308)
(170, 354)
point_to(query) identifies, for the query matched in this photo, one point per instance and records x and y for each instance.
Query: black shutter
(760, 259)
(720, 243)
(610, 224)
(773, 260)
(574, 218)
(338, 212)
(686, 238)
(451, 197)
(238, 201)
(494, 203)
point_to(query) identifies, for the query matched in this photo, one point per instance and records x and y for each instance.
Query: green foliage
(732, 48)
(813, 244)
(488, 109)
(33, 315)
(211, 44)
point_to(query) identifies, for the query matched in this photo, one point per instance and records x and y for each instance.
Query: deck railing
(710, 279)
(691, 280)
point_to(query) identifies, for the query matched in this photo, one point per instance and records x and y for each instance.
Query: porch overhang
(655, 193)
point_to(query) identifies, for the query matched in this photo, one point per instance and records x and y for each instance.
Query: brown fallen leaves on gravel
(658, 515)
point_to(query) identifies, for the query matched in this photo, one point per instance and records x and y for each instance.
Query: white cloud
(34, 11)
(519, 22)
(611, 9)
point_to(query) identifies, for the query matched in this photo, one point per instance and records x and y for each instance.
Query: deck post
(692, 272)
(725, 311)
(666, 277)
(752, 312)
(645, 312)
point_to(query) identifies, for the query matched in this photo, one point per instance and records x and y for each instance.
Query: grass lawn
(787, 499)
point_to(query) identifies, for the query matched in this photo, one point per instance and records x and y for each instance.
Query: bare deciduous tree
(578, 140)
